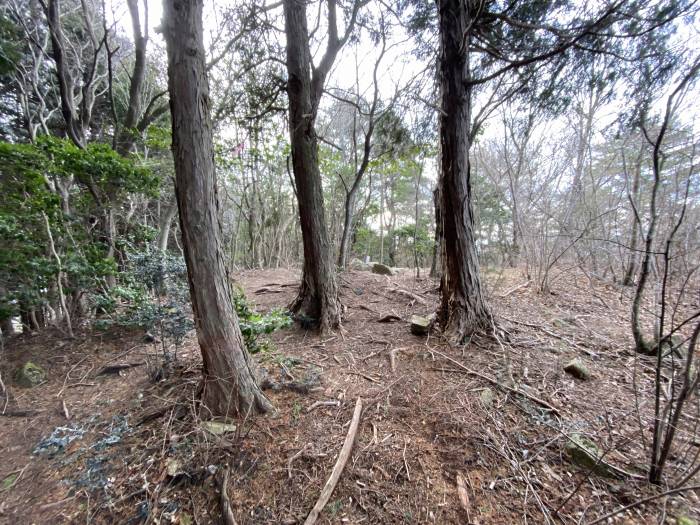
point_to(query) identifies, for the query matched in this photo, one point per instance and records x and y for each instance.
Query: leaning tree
(229, 386)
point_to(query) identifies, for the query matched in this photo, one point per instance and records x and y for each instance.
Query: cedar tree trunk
(229, 387)
(317, 302)
(463, 309)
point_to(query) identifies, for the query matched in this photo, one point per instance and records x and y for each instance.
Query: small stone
(486, 397)
(217, 427)
(584, 453)
(173, 467)
(577, 369)
(8, 482)
(357, 264)
(29, 375)
(382, 269)
(420, 325)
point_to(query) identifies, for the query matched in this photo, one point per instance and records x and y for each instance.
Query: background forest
(477, 149)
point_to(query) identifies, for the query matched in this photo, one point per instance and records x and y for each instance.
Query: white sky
(397, 66)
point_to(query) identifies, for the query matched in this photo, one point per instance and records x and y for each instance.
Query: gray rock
(584, 453)
(577, 369)
(486, 397)
(357, 264)
(382, 269)
(420, 325)
(29, 375)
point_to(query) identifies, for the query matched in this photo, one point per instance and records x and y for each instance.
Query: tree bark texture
(463, 309)
(127, 134)
(229, 386)
(317, 301)
(164, 226)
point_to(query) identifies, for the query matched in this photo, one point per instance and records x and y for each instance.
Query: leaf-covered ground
(445, 436)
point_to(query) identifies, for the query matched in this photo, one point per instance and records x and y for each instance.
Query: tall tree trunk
(381, 217)
(635, 197)
(6, 310)
(317, 301)
(436, 262)
(347, 228)
(463, 309)
(416, 262)
(126, 135)
(164, 227)
(229, 386)
(6, 327)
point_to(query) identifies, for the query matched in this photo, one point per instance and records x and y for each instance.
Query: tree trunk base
(221, 397)
(460, 322)
(316, 311)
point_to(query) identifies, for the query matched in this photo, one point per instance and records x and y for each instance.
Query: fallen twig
(57, 503)
(19, 413)
(493, 381)
(552, 334)
(226, 511)
(364, 307)
(642, 501)
(291, 460)
(392, 358)
(16, 480)
(339, 466)
(264, 289)
(115, 369)
(65, 409)
(316, 404)
(410, 295)
(514, 289)
(367, 377)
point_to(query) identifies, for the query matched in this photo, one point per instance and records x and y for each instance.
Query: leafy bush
(254, 324)
(154, 295)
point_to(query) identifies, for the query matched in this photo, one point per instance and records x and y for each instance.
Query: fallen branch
(367, 377)
(57, 503)
(19, 413)
(392, 358)
(493, 381)
(388, 318)
(642, 502)
(291, 460)
(263, 290)
(364, 307)
(552, 334)
(514, 289)
(410, 295)
(317, 404)
(226, 511)
(339, 466)
(154, 414)
(115, 369)
(65, 409)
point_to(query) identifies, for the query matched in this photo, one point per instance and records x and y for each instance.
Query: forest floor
(442, 437)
